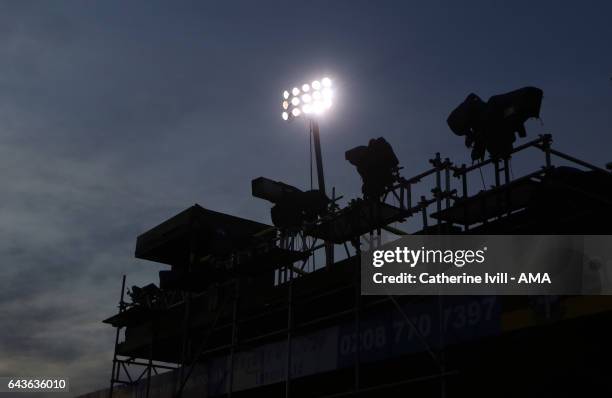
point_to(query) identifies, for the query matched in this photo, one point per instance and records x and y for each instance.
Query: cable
(484, 186)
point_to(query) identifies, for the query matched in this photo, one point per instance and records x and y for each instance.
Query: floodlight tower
(310, 101)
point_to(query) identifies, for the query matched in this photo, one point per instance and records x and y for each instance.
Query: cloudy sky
(116, 115)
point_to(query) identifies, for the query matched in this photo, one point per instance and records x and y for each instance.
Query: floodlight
(316, 98)
(317, 107)
(312, 99)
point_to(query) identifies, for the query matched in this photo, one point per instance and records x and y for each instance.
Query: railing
(543, 143)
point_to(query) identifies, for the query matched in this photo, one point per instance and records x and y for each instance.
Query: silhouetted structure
(292, 208)
(244, 309)
(377, 165)
(491, 126)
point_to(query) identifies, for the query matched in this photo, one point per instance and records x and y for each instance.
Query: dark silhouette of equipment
(491, 126)
(377, 165)
(146, 295)
(292, 206)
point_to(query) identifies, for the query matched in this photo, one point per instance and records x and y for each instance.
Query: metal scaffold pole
(289, 334)
(116, 364)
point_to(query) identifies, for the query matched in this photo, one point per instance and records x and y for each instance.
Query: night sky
(116, 115)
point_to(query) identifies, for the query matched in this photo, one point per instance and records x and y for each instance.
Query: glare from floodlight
(313, 99)
(317, 108)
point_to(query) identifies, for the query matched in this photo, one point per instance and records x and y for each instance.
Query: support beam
(314, 127)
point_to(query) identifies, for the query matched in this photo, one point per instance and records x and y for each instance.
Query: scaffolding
(129, 371)
(452, 214)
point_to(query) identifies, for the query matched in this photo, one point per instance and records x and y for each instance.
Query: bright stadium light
(312, 100)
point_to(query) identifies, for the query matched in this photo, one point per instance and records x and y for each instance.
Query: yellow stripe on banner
(569, 308)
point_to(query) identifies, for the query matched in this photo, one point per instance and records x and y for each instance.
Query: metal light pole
(314, 127)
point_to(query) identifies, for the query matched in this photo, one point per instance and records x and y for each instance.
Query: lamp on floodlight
(310, 100)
